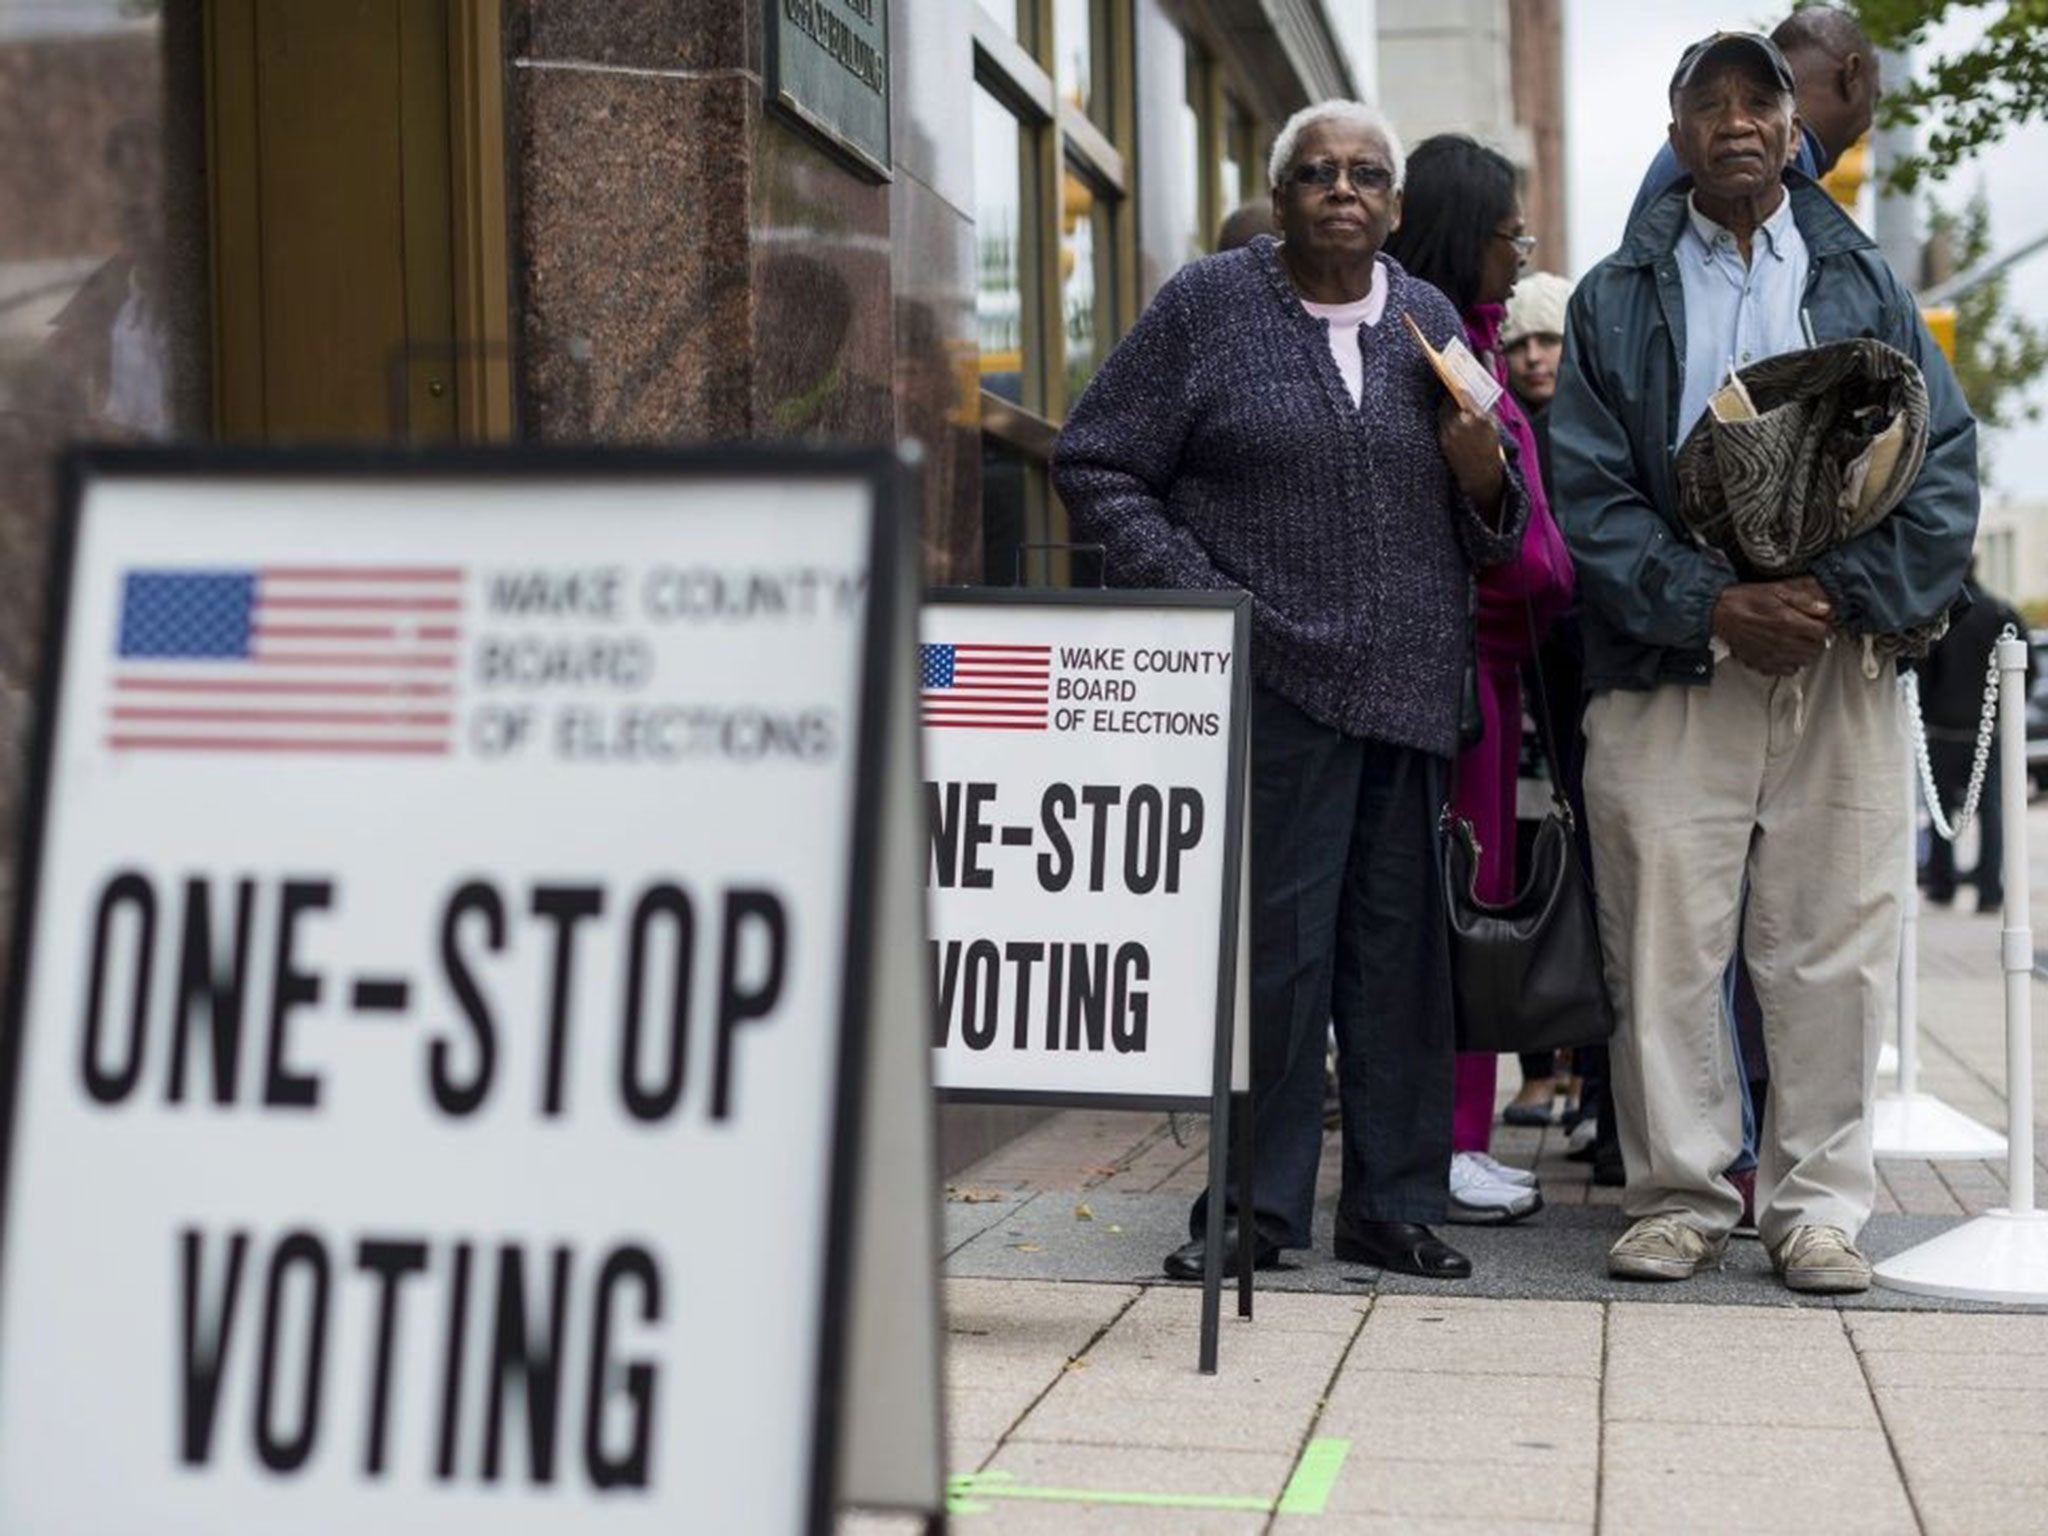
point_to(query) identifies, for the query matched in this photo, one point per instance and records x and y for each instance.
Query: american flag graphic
(986, 687)
(291, 659)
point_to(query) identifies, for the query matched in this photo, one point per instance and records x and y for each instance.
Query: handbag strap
(1544, 732)
(1544, 724)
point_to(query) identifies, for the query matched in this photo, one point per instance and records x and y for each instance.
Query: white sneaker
(1582, 1135)
(1480, 1199)
(1503, 1173)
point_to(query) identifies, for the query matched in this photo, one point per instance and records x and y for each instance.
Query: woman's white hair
(1352, 114)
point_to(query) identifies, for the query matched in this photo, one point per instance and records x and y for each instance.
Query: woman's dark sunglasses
(1364, 176)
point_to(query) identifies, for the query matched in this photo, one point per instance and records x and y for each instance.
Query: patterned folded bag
(1802, 452)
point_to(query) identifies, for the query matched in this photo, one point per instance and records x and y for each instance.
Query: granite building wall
(690, 266)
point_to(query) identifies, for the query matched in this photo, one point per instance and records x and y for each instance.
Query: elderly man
(1734, 728)
(1271, 424)
(1835, 78)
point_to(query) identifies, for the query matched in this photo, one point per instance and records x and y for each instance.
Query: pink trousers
(1486, 798)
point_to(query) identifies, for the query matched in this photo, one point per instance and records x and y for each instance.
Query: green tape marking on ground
(1307, 1491)
(1314, 1476)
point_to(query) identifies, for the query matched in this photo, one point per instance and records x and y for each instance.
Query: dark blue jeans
(1346, 928)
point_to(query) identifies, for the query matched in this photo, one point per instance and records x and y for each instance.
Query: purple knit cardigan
(1218, 447)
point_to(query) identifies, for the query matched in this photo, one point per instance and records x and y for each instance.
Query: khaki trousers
(1797, 783)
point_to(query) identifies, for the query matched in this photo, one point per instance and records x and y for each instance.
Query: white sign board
(437, 1053)
(1083, 792)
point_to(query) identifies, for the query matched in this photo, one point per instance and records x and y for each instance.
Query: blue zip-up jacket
(1648, 591)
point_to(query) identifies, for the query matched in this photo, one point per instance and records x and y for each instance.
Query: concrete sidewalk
(1537, 1397)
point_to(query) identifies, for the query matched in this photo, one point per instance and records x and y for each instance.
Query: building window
(1244, 178)
(1197, 195)
(1056, 242)
(1088, 286)
(1220, 167)
(1082, 44)
(1002, 238)
(1016, 18)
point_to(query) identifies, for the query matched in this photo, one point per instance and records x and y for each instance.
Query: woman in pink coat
(1462, 229)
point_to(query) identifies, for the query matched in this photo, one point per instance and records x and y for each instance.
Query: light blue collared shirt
(1736, 314)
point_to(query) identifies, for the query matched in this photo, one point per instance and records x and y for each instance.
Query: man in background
(1951, 705)
(1245, 221)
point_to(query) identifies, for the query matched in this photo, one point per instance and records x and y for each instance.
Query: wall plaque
(828, 67)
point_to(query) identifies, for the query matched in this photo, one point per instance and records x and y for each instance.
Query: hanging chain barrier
(1987, 726)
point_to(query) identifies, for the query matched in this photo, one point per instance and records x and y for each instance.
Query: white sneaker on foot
(1480, 1199)
(1505, 1173)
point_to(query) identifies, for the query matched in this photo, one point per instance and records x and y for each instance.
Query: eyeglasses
(1523, 244)
(1364, 176)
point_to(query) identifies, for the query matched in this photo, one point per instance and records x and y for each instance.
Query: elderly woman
(1271, 424)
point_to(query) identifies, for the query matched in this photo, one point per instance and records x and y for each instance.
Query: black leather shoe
(1406, 1247)
(1185, 1262)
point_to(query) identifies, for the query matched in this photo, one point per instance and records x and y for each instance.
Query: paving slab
(1410, 1525)
(1030, 1482)
(1980, 1372)
(1164, 1404)
(1969, 1507)
(979, 1413)
(1799, 1481)
(1562, 1491)
(972, 1210)
(1966, 1408)
(1282, 1311)
(1030, 1318)
(1933, 1452)
(1228, 1421)
(1475, 1337)
(1796, 1388)
(1001, 1373)
(861, 1523)
(1422, 1416)
(1025, 1518)
(2010, 1333)
(1245, 1352)
(1673, 1336)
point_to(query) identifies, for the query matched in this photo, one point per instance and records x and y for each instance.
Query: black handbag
(1526, 975)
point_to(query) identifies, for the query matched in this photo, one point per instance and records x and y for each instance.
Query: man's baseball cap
(1753, 46)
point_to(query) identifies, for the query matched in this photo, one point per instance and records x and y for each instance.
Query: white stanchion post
(2016, 940)
(2001, 1256)
(1907, 1122)
(1909, 940)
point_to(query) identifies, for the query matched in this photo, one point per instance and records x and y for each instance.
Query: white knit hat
(1536, 307)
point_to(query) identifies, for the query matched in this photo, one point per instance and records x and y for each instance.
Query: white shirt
(1342, 322)
(1736, 312)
